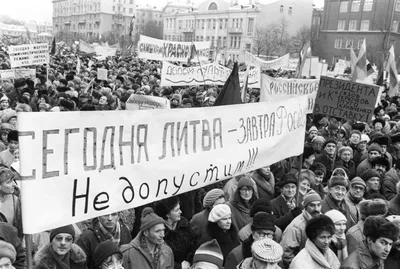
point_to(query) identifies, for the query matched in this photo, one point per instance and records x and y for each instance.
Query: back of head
(267, 251)
(209, 252)
(261, 205)
(374, 207)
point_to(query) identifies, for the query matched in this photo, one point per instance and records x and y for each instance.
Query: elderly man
(353, 198)
(327, 157)
(374, 150)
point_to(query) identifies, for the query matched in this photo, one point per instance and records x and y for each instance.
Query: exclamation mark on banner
(252, 157)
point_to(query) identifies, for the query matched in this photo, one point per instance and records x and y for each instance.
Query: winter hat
(313, 128)
(355, 132)
(345, 148)
(104, 250)
(245, 182)
(212, 196)
(308, 151)
(364, 137)
(377, 226)
(396, 138)
(209, 252)
(370, 173)
(261, 205)
(149, 219)
(7, 251)
(318, 168)
(319, 139)
(263, 221)
(317, 223)
(219, 212)
(381, 140)
(373, 207)
(287, 179)
(381, 161)
(163, 207)
(358, 181)
(329, 141)
(8, 115)
(12, 136)
(310, 197)
(68, 229)
(68, 104)
(374, 147)
(335, 215)
(267, 250)
(338, 181)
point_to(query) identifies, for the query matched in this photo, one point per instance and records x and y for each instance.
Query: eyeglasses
(263, 235)
(340, 189)
(246, 190)
(111, 264)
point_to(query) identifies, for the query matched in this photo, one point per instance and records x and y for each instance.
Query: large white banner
(29, 54)
(114, 160)
(276, 89)
(17, 73)
(158, 49)
(282, 62)
(214, 74)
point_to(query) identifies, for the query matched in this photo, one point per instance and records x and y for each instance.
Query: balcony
(67, 22)
(188, 30)
(235, 30)
(82, 21)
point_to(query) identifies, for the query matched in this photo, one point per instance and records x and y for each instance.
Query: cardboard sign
(145, 102)
(17, 73)
(101, 73)
(275, 89)
(282, 62)
(29, 54)
(346, 99)
(115, 160)
(158, 49)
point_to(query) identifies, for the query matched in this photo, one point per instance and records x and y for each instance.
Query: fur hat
(287, 179)
(150, 219)
(12, 136)
(209, 252)
(370, 173)
(8, 115)
(68, 104)
(267, 250)
(381, 161)
(104, 250)
(377, 226)
(263, 221)
(329, 141)
(338, 180)
(336, 216)
(313, 128)
(219, 212)
(358, 181)
(381, 140)
(364, 137)
(163, 207)
(261, 205)
(373, 207)
(374, 147)
(68, 229)
(318, 222)
(316, 166)
(7, 251)
(212, 196)
(245, 182)
(310, 197)
(19, 82)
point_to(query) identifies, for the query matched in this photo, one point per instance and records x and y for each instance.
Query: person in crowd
(9, 234)
(265, 182)
(230, 187)
(344, 159)
(335, 199)
(372, 180)
(354, 139)
(199, 221)
(375, 207)
(178, 234)
(265, 253)
(308, 160)
(381, 164)
(393, 260)
(107, 227)
(221, 227)
(107, 255)
(339, 243)
(306, 180)
(380, 234)
(374, 150)
(319, 171)
(330, 131)
(383, 141)
(208, 256)
(327, 156)
(361, 152)
(242, 202)
(316, 253)
(394, 147)
(312, 132)
(148, 249)
(294, 236)
(61, 253)
(7, 255)
(394, 203)
(317, 143)
(353, 198)
(10, 204)
(284, 206)
(391, 178)
(8, 156)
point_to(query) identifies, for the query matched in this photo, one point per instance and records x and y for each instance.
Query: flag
(53, 47)
(360, 70)
(306, 51)
(230, 94)
(78, 65)
(392, 70)
(131, 26)
(193, 53)
(353, 60)
(28, 34)
(245, 84)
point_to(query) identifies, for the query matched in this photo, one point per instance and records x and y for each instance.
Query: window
(349, 43)
(355, 6)
(341, 24)
(226, 23)
(202, 24)
(224, 41)
(368, 5)
(231, 42)
(213, 6)
(239, 41)
(179, 24)
(338, 43)
(248, 47)
(131, 2)
(234, 41)
(290, 11)
(398, 5)
(213, 41)
(219, 42)
(353, 25)
(220, 21)
(364, 25)
(395, 25)
(214, 22)
(281, 9)
(233, 23)
(344, 6)
(250, 26)
(113, 8)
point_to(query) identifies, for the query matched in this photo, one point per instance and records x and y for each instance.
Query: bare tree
(270, 39)
(299, 41)
(258, 42)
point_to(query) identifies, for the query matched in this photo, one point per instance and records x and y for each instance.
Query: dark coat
(239, 253)
(283, 216)
(199, 222)
(388, 187)
(265, 186)
(329, 204)
(9, 234)
(90, 238)
(360, 259)
(44, 259)
(393, 260)
(349, 166)
(328, 162)
(394, 206)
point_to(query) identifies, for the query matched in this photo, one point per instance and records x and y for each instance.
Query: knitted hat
(7, 251)
(373, 207)
(336, 215)
(313, 128)
(370, 173)
(287, 179)
(374, 147)
(355, 132)
(163, 207)
(381, 161)
(358, 181)
(329, 141)
(69, 229)
(377, 226)
(245, 182)
(219, 212)
(267, 250)
(212, 196)
(263, 221)
(209, 252)
(149, 219)
(316, 166)
(310, 197)
(104, 250)
(317, 223)
(338, 180)
(364, 137)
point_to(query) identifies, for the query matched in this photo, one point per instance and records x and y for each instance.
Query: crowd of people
(336, 206)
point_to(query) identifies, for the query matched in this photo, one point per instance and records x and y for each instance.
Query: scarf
(340, 243)
(326, 260)
(62, 263)
(116, 237)
(354, 199)
(155, 255)
(290, 203)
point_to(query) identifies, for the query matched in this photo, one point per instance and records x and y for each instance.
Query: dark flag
(53, 47)
(230, 94)
(193, 53)
(132, 25)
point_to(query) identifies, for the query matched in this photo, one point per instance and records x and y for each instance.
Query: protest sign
(85, 47)
(105, 51)
(282, 62)
(158, 49)
(144, 102)
(29, 54)
(101, 73)
(17, 73)
(275, 89)
(340, 67)
(115, 160)
(346, 99)
(214, 74)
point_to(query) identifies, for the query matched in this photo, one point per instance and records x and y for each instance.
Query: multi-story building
(231, 25)
(92, 18)
(148, 14)
(345, 24)
(18, 31)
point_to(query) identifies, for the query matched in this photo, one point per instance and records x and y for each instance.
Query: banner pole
(29, 258)
(201, 70)
(300, 158)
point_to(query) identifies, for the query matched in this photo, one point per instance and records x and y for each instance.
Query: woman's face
(225, 223)
(13, 121)
(4, 104)
(62, 243)
(103, 101)
(42, 100)
(112, 262)
(346, 156)
(340, 227)
(304, 185)
(323, 240)
(246, 193)
(378, 126)
(175, 214)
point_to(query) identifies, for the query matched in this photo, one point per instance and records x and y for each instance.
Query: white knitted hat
(219, 212)
(267, 250)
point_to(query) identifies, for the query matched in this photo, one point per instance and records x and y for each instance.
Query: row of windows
(78, 18)
(364, 26)
(290, 10)
(356, 5)
(211, 24)
(234, 41)
(348, 44)
(123, 10)
(130, 1)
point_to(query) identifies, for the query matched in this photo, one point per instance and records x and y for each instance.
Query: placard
(29, 54)
(95, 163)
(17, 73)
(144, 102)
(346, 99)
(282, 62)
(101, 74)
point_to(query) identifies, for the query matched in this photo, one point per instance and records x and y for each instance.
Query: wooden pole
(29, 258)
(300, 158)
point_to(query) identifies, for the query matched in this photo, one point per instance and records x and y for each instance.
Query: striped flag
(353, 60)
(392, 70)
(360, 70)
(193, 53)
(306, 51)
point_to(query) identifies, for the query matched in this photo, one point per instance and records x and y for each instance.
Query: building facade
(230, 26)
(345, 24)
(92, 18)
(148, 14)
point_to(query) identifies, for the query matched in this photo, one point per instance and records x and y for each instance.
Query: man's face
(310, 160)
(355, 138)
(317, 146)
(312, 134)
(330, 149)
(378, 126)
(13, 146)
(381, 247)
(373, 154)
(156, 234)
(346, 156)
(384, 148)
(109, 221)
(338, 192)
(262, 234)
(381, 169)
(314, 208)
(62, 243)
(373, 183)
(362, 145)
(289, 191)
(357, 191)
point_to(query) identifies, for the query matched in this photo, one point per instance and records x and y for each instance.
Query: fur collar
(44, 259)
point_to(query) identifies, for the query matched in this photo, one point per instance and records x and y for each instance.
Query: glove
(296, 211)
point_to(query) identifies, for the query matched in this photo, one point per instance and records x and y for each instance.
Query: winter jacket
(349, 166)
(135, 257)
(240, 213)
(354, 236)
(90, 238)
(393, 260)
(363, 166)
(388, 186)
(353, 213)
(199, 222)
(44, 258)
(17, 221)
(9, 234)
(328, 204)
(361, 259)
(311, 257)
(283, 216)
(327, 161)
(359, 156)
(394, 206)
(265, 186)
(239, 253)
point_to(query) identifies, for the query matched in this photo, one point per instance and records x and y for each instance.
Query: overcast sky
(41, 10)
